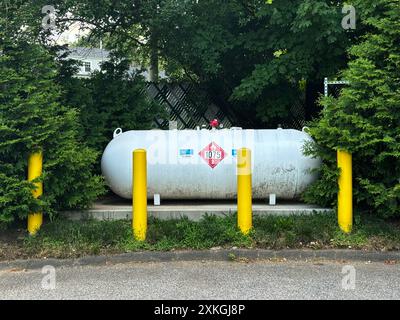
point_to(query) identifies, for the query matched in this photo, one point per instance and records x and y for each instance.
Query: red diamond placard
(213, 154)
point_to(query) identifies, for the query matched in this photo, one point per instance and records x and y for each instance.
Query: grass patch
(68, 239)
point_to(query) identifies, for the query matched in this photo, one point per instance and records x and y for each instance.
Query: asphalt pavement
(206, 280)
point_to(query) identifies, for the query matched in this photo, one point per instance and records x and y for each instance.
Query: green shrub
(365, 119)
(31, 118)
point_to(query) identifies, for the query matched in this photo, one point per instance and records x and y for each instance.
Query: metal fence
(334, 87)
(297, 116)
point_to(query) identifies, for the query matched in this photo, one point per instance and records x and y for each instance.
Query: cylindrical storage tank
(201, 164)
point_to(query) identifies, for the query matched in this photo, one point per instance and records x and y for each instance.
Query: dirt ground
(11, 244)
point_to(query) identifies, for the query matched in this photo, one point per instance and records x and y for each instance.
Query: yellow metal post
(139, 190)
(244, 192)
(35, 168)
(345, 196)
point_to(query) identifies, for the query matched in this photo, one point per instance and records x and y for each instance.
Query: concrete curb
(207, 255)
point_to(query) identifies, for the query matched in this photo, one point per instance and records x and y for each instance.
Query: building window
(87, 66)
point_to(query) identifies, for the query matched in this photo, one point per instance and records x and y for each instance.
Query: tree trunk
(154, 58)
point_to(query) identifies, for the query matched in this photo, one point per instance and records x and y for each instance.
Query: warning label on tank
(213, 154)
(186, 152)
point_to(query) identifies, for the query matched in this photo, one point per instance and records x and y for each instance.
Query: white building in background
(89, 58)
(92, 58)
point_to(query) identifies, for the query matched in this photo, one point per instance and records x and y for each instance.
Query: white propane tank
(201, 164)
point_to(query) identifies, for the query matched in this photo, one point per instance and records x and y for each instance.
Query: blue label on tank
(186, 152)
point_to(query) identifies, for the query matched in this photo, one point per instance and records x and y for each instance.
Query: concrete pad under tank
(121, 209)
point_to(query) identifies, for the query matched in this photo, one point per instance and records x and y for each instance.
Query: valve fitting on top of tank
(216, 124)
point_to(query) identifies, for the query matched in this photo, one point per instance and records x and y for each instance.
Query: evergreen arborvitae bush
(31, 119)
(365, 119)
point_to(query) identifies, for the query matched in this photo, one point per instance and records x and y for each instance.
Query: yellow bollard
(139, 190)
(244, 192)
(345, 195)
(35, 167)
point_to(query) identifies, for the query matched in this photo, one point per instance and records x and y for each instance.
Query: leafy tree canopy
(246, 52)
